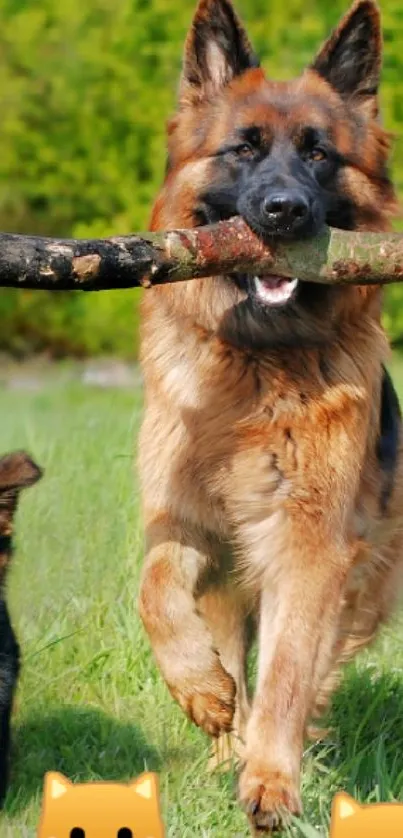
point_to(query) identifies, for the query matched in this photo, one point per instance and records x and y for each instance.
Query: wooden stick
(148, 259)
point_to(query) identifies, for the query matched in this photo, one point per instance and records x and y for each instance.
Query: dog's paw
(268, 797)
(210, 703)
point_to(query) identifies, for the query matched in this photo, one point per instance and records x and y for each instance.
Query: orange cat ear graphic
(146, 786)
(56, 785)
(344, 808)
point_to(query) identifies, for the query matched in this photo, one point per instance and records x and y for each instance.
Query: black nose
(286, 210)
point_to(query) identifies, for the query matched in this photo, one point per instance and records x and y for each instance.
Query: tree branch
(153, 258)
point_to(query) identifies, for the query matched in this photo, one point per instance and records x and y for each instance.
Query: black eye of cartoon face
(125, 832)
(77, 832)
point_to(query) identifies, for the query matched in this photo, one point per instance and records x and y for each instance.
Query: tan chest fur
(244, 433)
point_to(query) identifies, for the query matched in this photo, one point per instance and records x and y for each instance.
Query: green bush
(85, 90)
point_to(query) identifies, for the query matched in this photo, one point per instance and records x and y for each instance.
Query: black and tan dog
(17, 471)
(270, 453)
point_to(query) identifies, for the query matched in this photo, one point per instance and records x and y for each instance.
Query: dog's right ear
(217, 49)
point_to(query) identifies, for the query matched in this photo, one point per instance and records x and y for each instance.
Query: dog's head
(287, 156)
(17, 472)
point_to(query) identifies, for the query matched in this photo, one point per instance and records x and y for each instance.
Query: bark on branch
(152, 258)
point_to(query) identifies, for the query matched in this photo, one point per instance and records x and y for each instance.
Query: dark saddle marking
(389, 437)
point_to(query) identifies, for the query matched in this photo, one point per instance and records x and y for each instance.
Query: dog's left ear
(351, 59)
(217, 49)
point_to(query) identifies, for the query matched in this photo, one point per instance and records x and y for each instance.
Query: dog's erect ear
(217, 49)
(351, 59)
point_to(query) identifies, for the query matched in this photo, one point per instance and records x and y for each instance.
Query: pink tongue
(272, 281)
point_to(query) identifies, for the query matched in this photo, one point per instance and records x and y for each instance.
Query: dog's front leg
(176, 561)
(299, 616)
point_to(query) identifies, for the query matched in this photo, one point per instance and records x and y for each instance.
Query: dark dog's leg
(9, 669)
(17, 471)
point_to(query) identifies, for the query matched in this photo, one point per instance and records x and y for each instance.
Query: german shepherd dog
(271, 450)
(17, 471)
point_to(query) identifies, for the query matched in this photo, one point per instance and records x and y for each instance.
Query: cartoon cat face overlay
(353, 820)
(100, 810)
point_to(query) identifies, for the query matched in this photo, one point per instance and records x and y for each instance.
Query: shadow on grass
(365, 748)
(84, 744)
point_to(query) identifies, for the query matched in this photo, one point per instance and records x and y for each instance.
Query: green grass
(91, 703)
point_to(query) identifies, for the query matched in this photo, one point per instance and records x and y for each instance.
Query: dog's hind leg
(177, 560)
(371, 596)
(225, 611)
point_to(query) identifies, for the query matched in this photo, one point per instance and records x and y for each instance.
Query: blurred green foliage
(85, 90)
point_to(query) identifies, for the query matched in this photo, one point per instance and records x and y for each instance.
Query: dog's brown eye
(317, 154)
(245, 150)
